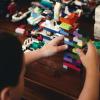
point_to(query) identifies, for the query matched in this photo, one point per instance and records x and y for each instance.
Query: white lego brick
(20, 31)
(66, 39)
(97, 30)
(65, 67)
(80, 43)
(75, 39)
(97, 14)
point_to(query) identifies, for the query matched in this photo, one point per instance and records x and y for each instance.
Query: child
(13, 61)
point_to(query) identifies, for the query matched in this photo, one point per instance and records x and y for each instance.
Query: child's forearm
(91, 86)
(33, 56)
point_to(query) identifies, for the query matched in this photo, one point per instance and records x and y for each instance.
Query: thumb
(62, 48)
(91, 47)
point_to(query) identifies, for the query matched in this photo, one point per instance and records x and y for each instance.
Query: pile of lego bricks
(55, 25)
(70, 29)
(73, 40)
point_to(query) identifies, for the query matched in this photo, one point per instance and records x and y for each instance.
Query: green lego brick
(66, 26)
(97, 44)
(35, 45)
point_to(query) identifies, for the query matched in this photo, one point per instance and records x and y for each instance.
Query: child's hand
(90, 60)
(52, 47)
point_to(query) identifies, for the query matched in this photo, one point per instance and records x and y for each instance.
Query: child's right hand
(90, 60)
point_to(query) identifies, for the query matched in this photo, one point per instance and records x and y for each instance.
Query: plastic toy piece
(34, 20)
(21, 29)
(27, 43)
(47, 3)
(71, 19)
(49, 27)
(36, 16)
(57, 9)
(32, 44)
(69, 43)
(64, 33)
(75, 39)
(70, 60)
(74, 50)
(78, 3)
(80, 43)
(74, 56)
(72, 66)
(35, 45)
(75, 33)
(40, 37)
(97, 23)
(38, 5)
(97, 44)
(66, 26)
(19, 16)
(65, 67)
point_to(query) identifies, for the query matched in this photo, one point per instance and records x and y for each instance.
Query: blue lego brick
(47, 38)
(50, 30)
(74, 56)
(63, 32)
(69, 43)
(72, 61)
(68, 59)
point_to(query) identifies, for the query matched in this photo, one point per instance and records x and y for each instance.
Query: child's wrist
(92, 70)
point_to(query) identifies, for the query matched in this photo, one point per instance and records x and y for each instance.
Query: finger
(80, 52)
(57, 40)
(90, 45)
(62, 48)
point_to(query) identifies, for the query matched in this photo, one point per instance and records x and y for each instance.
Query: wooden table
(45, 79)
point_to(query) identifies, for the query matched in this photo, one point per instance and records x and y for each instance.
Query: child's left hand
(52, 47)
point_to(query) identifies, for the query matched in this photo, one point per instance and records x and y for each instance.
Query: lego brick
(72, 66)
(66, 26)
(71, 60)
(51, 30)
(65, 67)
(71, 19)
(68, 59)
(74, 56)
(63, 32)
(75, 33)
(47, 38)
(69, 43)
(97, 44)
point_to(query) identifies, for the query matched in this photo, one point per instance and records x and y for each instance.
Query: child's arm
(48, 50)
(91, 63)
